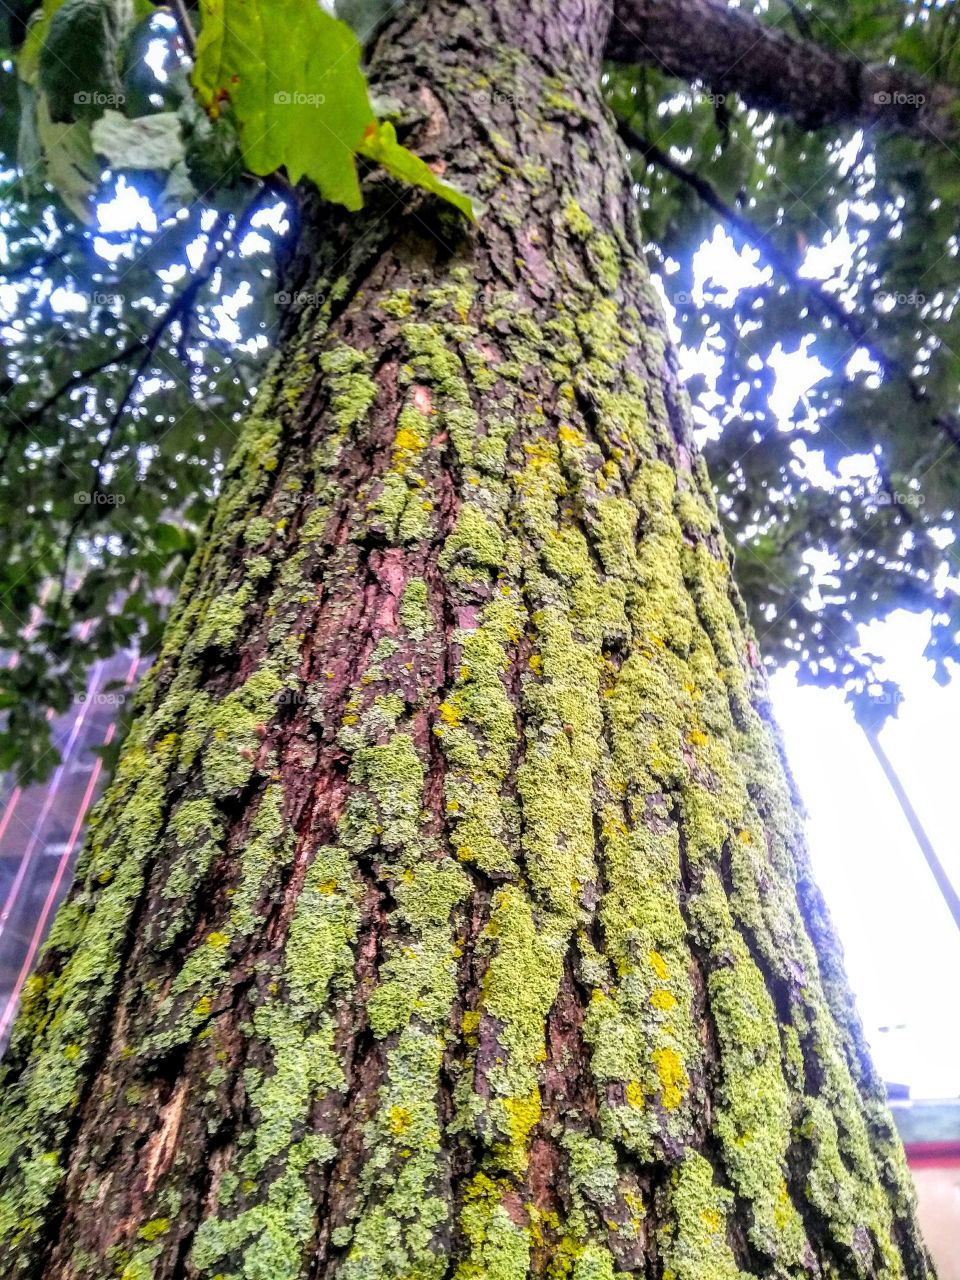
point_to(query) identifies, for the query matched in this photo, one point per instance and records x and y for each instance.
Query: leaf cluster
(843, 505)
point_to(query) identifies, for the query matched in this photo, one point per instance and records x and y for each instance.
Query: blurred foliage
(133, 343)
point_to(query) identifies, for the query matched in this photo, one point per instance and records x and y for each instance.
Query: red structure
(931, 1136)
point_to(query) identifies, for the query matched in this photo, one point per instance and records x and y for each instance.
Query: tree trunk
(449, 914)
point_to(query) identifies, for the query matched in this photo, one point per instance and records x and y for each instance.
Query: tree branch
(949, 894)
(822, 300)
(21, 270)
(186, 26)
(825, 302)
(731, 51)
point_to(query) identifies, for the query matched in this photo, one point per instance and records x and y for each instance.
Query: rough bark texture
(449, 914)
(731, 51)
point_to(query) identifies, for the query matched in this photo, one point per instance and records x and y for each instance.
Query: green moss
(398, 304)
(397, 1230)
(753, 1107)
(593, 1174)
(693, 1240)
(457, 293)
(432, 358)
(577, 221)
(418, 979)
(40, 1107)
(518, 944)
(156, 1227)
(499, 1249)
(202, 972)
(229, 731)
(415, 608)
(604, 255)
(257, 532)
(400, 504)
(475, 541)
(477, 727)
(296, 1026)
(352, 390)
(224, 617)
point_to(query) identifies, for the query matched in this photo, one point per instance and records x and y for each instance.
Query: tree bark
(729, 50)
(449, 915)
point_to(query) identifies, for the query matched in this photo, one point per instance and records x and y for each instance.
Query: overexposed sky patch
(901, 945)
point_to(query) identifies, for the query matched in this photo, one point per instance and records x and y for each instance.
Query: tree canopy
(823, 138)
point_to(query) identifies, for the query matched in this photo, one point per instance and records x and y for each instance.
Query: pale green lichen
(576, 220)
(353, 391)
(415, 608)
(475, 542)
(693, 1239)
(499, 1249)
(296, 1025)
(477, 726)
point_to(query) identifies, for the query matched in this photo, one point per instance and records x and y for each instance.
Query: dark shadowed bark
(449, 915)
(728, 50)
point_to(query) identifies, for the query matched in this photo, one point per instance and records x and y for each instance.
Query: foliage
(138, 301)
(300, 103)
(844, 506)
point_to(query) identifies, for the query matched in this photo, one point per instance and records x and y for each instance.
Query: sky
(901, 945)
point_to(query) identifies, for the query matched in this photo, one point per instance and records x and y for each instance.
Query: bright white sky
(902, 947)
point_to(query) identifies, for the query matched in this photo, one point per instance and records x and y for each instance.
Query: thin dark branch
(84, 375)
(944, 883)
(821, 299)
(185, 25)
(181, 306)
(20, 270)
(800, 20)
(824, 301)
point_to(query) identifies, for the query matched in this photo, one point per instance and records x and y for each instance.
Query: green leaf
(300, 101)
(71, 166)
(292, 75)
(29, 150)
(78, 61)
(380, 144)
(148, 142)
(28, 59)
